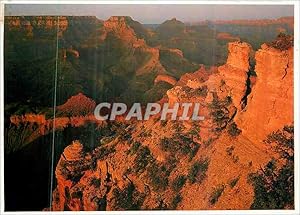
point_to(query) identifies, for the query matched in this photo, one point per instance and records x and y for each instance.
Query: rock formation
(139, 175)
(73, 52)
(38, 22)
(177, 51)
(68, 167)
(165, 78)
(85, 181)
(78, 105)
(227, 36)
(271, 100)
(118, 25)
(78, 111)
(156, 164)
(234, 72)
(258, 22)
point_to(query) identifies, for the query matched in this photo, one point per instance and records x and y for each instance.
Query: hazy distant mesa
(156, 14)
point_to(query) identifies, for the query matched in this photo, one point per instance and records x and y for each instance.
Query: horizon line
(198, 21)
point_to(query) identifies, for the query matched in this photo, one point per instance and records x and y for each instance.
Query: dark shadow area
(27, 172)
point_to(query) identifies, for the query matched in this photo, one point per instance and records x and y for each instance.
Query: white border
(1, 108)
(297, 104)
(296, 211)
(242, 2)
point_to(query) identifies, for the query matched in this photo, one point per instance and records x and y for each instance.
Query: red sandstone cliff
(230, 158)
(234, 72)
(135, 165)
(271, 100)
(165, 78)
(118, 25)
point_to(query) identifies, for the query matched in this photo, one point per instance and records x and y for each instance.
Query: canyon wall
(271, 100)
(37, 24)
(234, 72)
(93, 182)
(118, 26)
(165, 78)
(32, 24)
(258, 22)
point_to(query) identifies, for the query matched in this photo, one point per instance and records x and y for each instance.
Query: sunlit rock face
(271, 100)
(234, 72)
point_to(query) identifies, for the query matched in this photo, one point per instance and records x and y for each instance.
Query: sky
(155, 14)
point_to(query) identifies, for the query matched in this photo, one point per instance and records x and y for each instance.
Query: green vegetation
(100, 153)
(126, 137)
(77, 195)
(219, 112)
(195, 130)
(95, 182)
(274, 185)
(127, 199)
(208, 142)
(202, 91)
(234, 181)
(145, 133)
(135, 146)
(158, 176)
(180, 144)
(282, 42)
(178, 127)
(156, 92)
(175, 201)
(235, 158)
(216, 194)
(142, 159)
(158, 173)
(175, 65)
(233, 130)
(190, 92)
(252, 73)
(229, 150)
(163, 123)
(197, 172)
(178, 182)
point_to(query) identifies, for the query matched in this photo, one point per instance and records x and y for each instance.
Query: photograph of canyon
(61, 61)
